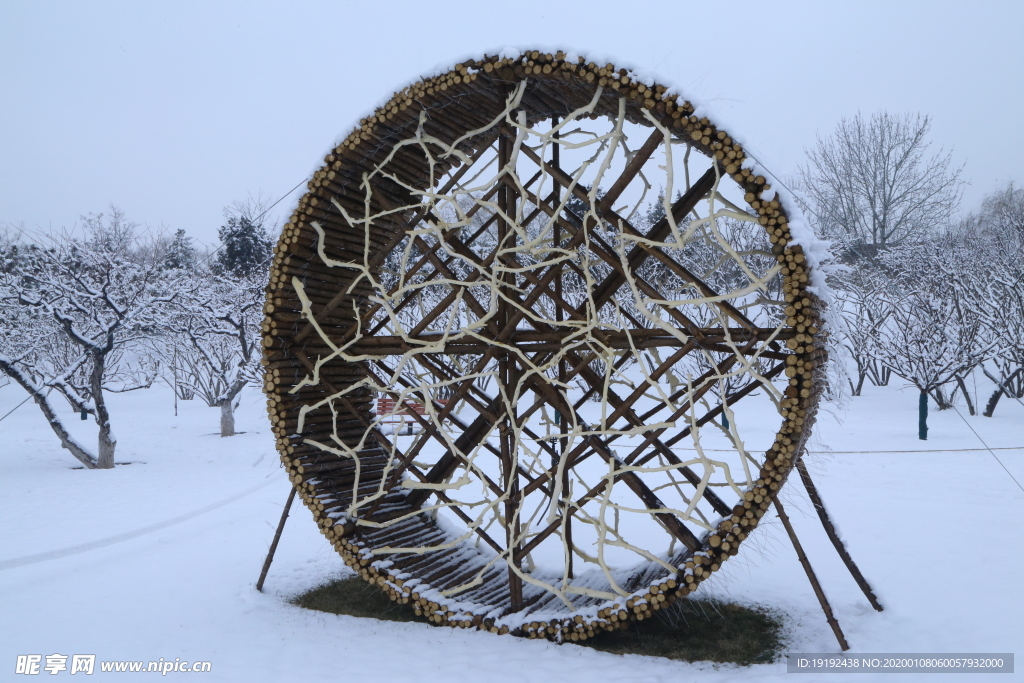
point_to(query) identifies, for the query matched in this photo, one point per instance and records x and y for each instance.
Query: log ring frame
(447, 106)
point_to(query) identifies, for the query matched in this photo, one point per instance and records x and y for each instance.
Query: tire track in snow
(128, 535)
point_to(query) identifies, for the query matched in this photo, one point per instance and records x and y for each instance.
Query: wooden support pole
(833, 535)
(277, 537)
(825, 607)
(563, 427)
(507, 375)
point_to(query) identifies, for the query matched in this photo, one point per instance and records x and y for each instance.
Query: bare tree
(873, 185)
(1003, 312)
(935, 334)
(214, 333)
(213, 338)
(81, 304)
(991, 267)
(865, 305)
(924, 349)
(1002, 213)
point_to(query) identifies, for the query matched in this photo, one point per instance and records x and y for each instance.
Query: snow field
(159, 558)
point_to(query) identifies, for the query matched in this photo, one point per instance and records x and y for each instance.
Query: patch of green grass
(356, 598)
(699, 630)
(689, 630)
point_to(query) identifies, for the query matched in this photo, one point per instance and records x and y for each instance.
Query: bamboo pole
(833, 535)
(812, 577)
(277, 537)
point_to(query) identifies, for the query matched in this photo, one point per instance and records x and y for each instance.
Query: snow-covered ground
(159, 558)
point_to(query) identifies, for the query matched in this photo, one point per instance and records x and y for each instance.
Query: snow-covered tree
(935, 335)
(75, 307)
(1002, 308)
(245, 246)
(180, 254)
(214, 336)
(211, 344)
(1002, 213)
(865, 309)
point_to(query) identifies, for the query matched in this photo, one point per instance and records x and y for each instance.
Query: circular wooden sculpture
(539, 348)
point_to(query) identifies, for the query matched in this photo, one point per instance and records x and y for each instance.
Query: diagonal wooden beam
(833, 535)
(729, 400)
(654, 439)
(707, 380)
(658, 233)
(483, 267)
(441, 369)
(648, 497)
(430, 429)
(704, 419)
(640, 158)
(811, 576)
(395, 240)
(579, 454)
(607, 254)
(472, 435)
(687, 275)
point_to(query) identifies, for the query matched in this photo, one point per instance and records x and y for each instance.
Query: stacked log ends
(457, 100)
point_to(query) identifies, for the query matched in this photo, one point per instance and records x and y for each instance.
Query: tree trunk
(861, 374)
(879, 373)
(941, 400)
(227, 418)
(1001, 388)
(107, 442)
(66, 440)
(967, 395)
(227, 409)
(990, 407)
(922, 416)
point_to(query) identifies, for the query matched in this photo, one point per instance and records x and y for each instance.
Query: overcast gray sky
(173, 110)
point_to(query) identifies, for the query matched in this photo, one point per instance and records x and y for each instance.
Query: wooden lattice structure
(612, 384)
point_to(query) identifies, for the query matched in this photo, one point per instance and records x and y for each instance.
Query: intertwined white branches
(504, 310)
